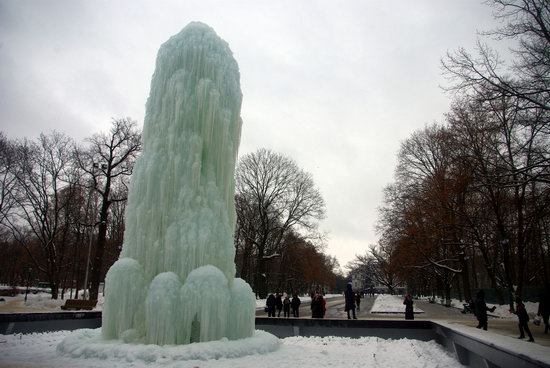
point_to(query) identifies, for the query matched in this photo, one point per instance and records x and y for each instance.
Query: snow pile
(174, 282)
(390, 304)
(37, 303)
(367, 352)
(39, 350)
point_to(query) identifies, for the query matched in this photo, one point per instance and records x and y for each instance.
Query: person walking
(523, 318)
(350, 301)
(409, 311)
(295, 303)
(544, 308)
(279, 304)
(270, 305)
(481, 310)
(286, 306)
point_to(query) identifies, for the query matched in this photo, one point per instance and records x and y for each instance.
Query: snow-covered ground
(65, 349)
(43, 302)
(394, 304)
(391, 304)
(501, 311)
(37, 303)
(41, 350)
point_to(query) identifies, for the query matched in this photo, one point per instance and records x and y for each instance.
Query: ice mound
(174, 282)
(89, 344)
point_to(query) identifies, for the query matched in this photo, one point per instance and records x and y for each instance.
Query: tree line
(62, 209)
(469, 207)
(62, 206)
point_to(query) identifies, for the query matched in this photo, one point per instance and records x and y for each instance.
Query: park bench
(78, 304)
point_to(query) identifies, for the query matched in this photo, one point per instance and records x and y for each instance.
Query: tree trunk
(465, 277)
(100, 247)
(261, 277)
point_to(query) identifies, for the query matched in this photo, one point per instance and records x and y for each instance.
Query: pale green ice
(174, 282)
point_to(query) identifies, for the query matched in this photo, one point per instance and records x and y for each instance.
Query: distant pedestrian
(409, 312)
(324, 305)
(286, 305)
(279, 304)
(544, 308)
(523, 318)
(481, 309)
(350, 301)
(358, 300)
(270, 305)
(295, 303)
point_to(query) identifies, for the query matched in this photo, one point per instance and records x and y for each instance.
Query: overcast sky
(335, 85)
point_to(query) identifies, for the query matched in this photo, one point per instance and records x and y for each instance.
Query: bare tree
(108, 159)
(8, 183)
(528, 23)
(275, 196)
(46, 188)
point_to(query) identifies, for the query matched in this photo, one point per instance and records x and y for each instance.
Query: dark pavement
(432, 311)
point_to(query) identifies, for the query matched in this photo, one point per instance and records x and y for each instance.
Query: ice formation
(174, 282)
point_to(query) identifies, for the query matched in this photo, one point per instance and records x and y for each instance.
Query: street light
(29, 271)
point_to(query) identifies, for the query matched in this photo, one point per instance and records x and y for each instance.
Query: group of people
(277, 303)
(283, 303)
(480, 309)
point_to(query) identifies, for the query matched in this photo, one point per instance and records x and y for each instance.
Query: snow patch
(391, 304)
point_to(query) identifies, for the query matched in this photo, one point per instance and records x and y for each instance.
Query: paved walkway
(506, 327)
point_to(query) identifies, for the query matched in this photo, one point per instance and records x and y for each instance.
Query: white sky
(335, 85)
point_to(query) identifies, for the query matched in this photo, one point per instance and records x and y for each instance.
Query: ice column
(174, 282)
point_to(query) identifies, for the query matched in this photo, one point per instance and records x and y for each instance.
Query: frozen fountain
(174, 283)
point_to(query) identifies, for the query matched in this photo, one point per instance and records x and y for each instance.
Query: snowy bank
(390, 304)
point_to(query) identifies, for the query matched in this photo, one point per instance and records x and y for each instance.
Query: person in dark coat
(409, 311)
(324, 302)
(523, 318)
(544, 308)
(286, 306)
(270, 305)
(358, 301)
(350, 301)
(317, 306)
(295, 304)
(481, 310)
(313, 303)
(279, 304)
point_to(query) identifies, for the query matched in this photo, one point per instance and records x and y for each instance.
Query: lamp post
(29, 271)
